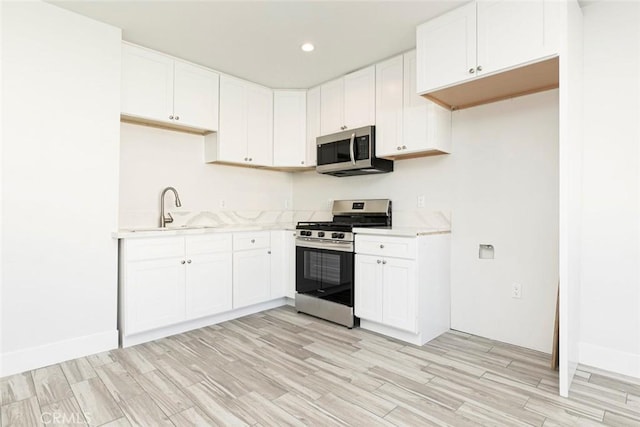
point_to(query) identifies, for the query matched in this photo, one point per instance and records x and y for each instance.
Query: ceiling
(260, 41)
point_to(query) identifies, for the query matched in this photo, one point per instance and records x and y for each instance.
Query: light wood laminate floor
(282, 368)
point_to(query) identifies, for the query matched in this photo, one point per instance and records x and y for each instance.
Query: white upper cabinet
(332, 106)
(160, 89)
(360, 98)
(313, 124)
(289, 128)
(348, 102)
(246, 125)
(406, 123)
(389, 105)
(195, 96)
(447, 49)
(482, 38)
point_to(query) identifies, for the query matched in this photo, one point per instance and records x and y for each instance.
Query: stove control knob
(320, 233)
(307, 233)
(341, 236)
(334, 235)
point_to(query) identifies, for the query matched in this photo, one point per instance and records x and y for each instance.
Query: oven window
(332, 264)
(313, 265)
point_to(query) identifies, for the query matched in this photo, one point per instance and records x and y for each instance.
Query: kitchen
(459, 184)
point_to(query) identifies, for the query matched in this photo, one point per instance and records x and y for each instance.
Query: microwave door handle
(353, 156)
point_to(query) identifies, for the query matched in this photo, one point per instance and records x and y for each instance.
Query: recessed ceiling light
(307, 47)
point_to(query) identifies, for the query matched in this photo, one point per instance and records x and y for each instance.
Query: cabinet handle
(378, 261)
(399, 148)
(384, 262)
(472, 70)
(381, 246)
(269, 252)
(253, 240)
(246, 159)
(302, 162)
(404, 147)
(177, 117)
(188, 261)
(182, 262)
(170, 117)
(479, 67)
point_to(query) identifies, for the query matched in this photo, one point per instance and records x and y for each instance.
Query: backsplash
(432, 220)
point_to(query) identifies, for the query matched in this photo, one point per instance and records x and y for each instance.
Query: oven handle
(323, 244)
(351, 152)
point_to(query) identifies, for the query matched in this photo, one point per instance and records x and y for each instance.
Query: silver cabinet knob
(250, 159)
(269, 252)
(472, 70)
(302, 162)
(177, 117)
(479, 67)
(384, 262)
(246, 159)
(170, 117)
(379, 261)
(182, 262)
(404, 147)
(188, 261)
(399, 148)
(253, 240)
(381, 246)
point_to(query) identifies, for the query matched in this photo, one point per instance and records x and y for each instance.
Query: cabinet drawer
(154, 248)
(251, 240)
(208, 243)
(396, 247)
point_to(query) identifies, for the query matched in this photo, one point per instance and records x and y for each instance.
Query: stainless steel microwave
(350, 152)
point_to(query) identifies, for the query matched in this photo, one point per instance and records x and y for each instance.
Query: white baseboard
(610, 360)
(142, 337)
(36, 357)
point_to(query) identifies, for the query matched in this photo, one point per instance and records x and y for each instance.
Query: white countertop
(143, 232)
(402, 231)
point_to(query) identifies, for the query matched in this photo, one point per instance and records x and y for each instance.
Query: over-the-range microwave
(350, 152)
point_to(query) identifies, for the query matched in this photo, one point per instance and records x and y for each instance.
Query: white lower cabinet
(167, 280)
(283, 264)
(251, 268)
(155, 294)
(402, 285)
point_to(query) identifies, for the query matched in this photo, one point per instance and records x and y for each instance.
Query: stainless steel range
(324, 258)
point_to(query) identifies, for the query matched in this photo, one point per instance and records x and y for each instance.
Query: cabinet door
(399, 294)
(360, 98)
(446, 49)
(289, 128)
(510, 33)
(389, 106)
(251, 277)
(147, 84)
(232, 134)
(332, 106)
(313, 124)
(290, 264)
(426, 126)
(208, 284)
(368, 287)
(195, 96)
(279, 264)
(259, 125)
(154, 294)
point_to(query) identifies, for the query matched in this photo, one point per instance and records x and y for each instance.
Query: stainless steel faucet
(164, 220)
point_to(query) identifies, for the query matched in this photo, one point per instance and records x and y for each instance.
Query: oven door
(325, 273)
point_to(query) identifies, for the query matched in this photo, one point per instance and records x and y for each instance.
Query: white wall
(152, 158)
(60, 114)
(501, 187)
(610, 291)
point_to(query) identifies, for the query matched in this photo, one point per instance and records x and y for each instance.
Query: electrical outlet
(421, 201)
(223, 203)
(516, 290)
